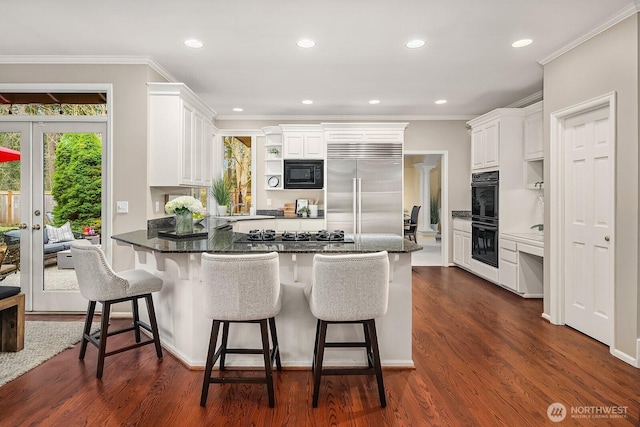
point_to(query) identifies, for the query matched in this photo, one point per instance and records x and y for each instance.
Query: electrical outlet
(157, 207)
(122, 207)
(268, 202)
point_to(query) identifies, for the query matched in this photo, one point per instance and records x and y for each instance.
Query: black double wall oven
(484, 217)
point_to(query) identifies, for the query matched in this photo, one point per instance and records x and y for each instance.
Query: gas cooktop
(324, 236)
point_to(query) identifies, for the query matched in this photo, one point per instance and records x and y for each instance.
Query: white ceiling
(250, 58)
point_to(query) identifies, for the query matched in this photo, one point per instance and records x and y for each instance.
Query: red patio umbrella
(8, 155)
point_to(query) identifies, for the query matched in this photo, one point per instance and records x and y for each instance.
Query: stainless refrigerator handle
(355, 212)
(359, 205)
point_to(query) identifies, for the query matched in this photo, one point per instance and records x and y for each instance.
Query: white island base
(185, 331)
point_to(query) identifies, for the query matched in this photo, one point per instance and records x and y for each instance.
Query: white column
(424, 220)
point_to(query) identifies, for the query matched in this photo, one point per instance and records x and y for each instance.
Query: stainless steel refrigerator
(364, 187)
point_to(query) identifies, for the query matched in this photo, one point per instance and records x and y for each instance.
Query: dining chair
(411, 227)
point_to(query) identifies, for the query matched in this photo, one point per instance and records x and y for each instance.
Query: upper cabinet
(302, 142)
(181, 137)
(485, 145)
(495, 135)
(533, 131)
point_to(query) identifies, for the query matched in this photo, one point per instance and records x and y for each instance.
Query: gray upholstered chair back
(96, 278)
(350, 287)
(241, 287)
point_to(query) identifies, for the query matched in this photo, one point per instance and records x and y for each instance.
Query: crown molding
(531, 99)
(88, 59)
(347, 117)
(623, 14)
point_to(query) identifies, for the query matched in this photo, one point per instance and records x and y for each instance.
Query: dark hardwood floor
(483, 357)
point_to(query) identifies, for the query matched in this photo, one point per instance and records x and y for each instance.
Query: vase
(222, 210)
(184, 222)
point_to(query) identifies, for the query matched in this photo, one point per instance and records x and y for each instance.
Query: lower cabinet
(294, 224)
(521, 266)
(279, 225)
(462, 243)
(508, 264)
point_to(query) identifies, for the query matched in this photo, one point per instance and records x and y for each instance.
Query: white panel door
(589, 207)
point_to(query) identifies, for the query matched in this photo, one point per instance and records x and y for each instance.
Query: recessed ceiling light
(415, 44)
(374, 101)
(196, 44)
(306, 43)
(522, 43)
(238, 109)
(441, 101)
(307, 102)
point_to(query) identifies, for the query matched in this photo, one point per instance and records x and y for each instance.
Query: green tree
(77, 180)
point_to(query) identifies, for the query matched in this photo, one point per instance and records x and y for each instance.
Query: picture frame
(301, 203)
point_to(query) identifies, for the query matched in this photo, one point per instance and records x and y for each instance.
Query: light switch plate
(122, 207)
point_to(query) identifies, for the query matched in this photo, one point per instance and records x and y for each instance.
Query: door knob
(607, 238)
(22, 226)
(36, 226)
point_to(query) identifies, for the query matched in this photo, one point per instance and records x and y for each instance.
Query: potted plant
(434, 212)
(273, 152)
(304, 211)
(221, 192)
(183, 208)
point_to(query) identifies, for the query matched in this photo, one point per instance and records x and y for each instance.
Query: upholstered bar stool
(99, 283)
(351, 288)
(241, 289)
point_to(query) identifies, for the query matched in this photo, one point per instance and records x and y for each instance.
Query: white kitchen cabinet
(462, 243)
(302, 142)
(508, 270)
(244, 226)
(299, 224)
(533, 132)
(496, 138)
(181, 136)
(485, 145)
(521, 263)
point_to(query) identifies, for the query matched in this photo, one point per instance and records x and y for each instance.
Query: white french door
(588, 223)
(48, 280)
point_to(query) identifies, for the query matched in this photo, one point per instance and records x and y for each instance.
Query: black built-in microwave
(303, 174)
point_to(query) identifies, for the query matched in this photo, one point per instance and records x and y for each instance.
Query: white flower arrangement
(183, 204)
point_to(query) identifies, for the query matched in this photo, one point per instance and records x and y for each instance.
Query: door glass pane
(72, 202)
(10, 215)
(237, 167)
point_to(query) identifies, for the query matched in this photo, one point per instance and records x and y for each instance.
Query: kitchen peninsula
(184, 329)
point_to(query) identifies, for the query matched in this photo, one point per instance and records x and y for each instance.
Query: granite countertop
(221, 239)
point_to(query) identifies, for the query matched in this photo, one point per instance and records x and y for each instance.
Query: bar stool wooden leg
(102, 348)
(223, 347)
(276, 346)
(154, 324)
(376, 361)
(213, 341)
(87, 329)
(317, 375)
(136, 318)
(264, 329)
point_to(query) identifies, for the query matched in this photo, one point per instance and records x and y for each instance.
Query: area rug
(42, 341)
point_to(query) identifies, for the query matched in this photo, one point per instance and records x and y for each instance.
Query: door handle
(36, 226)
(22, 226)
(607, 238)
